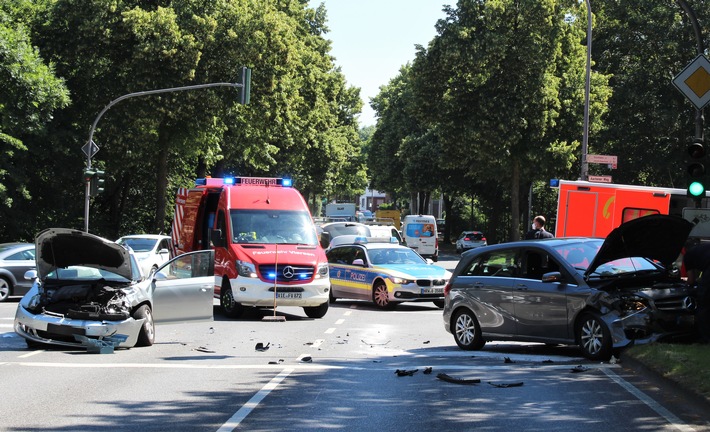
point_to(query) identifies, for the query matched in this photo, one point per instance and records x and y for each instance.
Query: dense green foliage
(497, 100)
(485, 114)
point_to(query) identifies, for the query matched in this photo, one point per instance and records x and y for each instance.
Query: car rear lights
(447, 289)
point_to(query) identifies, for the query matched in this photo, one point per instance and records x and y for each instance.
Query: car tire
(594, 337)
(467, 331)
(331, 297)
(5, 289)
(316, 311)
(229, 306)
(439, 303)
(380, 296)
(146, 336)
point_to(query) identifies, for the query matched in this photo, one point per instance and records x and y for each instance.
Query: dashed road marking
(330, 330)
(340, 321)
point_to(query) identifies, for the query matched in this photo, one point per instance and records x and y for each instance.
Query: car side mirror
(429, 261)
(159, 276)
(163, 251)
(359, 262)
(217, 238)
(552, 277)
(31, 274)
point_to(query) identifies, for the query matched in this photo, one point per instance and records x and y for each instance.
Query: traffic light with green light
(696, 171)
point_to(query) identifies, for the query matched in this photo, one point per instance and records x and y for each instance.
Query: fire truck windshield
(273, 226)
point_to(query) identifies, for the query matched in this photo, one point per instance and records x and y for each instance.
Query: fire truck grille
(286, 273)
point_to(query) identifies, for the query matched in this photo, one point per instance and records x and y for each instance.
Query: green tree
(29, 95)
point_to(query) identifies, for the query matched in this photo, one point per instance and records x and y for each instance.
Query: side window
(533, 268)
(501, 263)
(337, 256)
(189, 266)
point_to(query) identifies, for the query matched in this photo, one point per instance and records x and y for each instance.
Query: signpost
(602, 159)
(600, 179)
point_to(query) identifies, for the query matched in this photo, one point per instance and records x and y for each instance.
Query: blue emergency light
(229, 180)
(286, 182)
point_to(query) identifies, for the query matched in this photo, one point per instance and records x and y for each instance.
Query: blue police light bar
(554, 183)
(200, 182)
(286, 182)
(229, 180)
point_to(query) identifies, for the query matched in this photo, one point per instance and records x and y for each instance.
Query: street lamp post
(587, 86)
(246, 77)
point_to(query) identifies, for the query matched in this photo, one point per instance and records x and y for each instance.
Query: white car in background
(151, 250)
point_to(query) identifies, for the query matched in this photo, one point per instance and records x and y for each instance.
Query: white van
(419, 232)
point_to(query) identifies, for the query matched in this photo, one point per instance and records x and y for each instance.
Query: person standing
(696, 262)
(538, 229)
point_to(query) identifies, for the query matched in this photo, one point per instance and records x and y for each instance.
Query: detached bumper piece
(101, 346)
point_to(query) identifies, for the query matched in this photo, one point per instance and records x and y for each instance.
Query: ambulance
(267, 253)
(594, 209)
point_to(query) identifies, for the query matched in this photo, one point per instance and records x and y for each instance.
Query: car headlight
(401, 281)
(322, 271)
(631, 305)
(34, 302)
(246, 269)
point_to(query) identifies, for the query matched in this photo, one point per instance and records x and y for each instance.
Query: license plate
(288, 295)
(433, 291)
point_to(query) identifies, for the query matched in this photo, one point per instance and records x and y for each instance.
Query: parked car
(89, 287)
(384, 273)
(15, 260)
(329, 231)
(151, 250)
(469, 240)
(599, 294)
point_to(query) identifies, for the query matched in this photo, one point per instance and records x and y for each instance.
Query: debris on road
(306, 359)
(427, 370)
(261, 347)
(401, 372)
(506, 385)
(447, 378)
(203, 349)
(579, 368)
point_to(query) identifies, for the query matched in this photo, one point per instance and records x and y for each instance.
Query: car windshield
(138, 244)
(348, 229)
(579, 255)
(273, 226)
(385, 256)
(81, 273)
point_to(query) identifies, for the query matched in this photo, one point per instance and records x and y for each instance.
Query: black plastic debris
(579, 368)
(401, 372)
(447, 378)
(203, 349)
(506, 385)
(261, 347)
(507, 360)
(425, 342)
(307, 359)
(427, 370)
(547, 361)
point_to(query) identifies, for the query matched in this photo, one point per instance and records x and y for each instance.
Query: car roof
(149, 236)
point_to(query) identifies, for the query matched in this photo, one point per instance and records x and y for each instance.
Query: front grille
(286, 273)
(287, 289)
(676, 304)
(428, 283)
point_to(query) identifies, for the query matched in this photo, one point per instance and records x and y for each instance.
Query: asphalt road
(335, 373)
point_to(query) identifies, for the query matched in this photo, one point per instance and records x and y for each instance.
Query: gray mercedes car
(599, 294)
(88, 289)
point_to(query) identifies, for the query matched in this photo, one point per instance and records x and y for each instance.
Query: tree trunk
(515, 201)
(161, 183)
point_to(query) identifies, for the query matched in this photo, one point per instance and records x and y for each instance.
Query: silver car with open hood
(599, 294)
(87, 289)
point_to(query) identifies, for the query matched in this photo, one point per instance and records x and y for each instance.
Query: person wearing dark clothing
(696, 262)
(538, 229)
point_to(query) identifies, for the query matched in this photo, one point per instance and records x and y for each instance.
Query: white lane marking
(347, 313)
(340, 321)
(330, 330)
(643, 397)
(30, 354)
(305, 367)
(247, 408)
(6, 325)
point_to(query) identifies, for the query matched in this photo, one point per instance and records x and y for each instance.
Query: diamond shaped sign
(694, 81)
(90, 149)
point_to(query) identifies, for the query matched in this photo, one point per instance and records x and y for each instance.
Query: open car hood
(656, 237)
(63, 247)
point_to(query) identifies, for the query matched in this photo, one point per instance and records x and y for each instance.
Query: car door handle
(205, 288)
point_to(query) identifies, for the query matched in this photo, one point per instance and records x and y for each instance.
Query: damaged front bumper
(645, 326)
(58, 330)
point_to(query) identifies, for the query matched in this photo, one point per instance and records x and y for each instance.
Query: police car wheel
(230, 307)
(381, 297)
(331, 297)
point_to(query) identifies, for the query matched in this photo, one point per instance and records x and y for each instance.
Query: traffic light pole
(244, 98)
(699, 115)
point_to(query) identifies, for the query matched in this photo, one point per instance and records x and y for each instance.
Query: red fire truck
(267, 252)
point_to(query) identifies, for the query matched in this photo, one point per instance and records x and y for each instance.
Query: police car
(383, 272)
